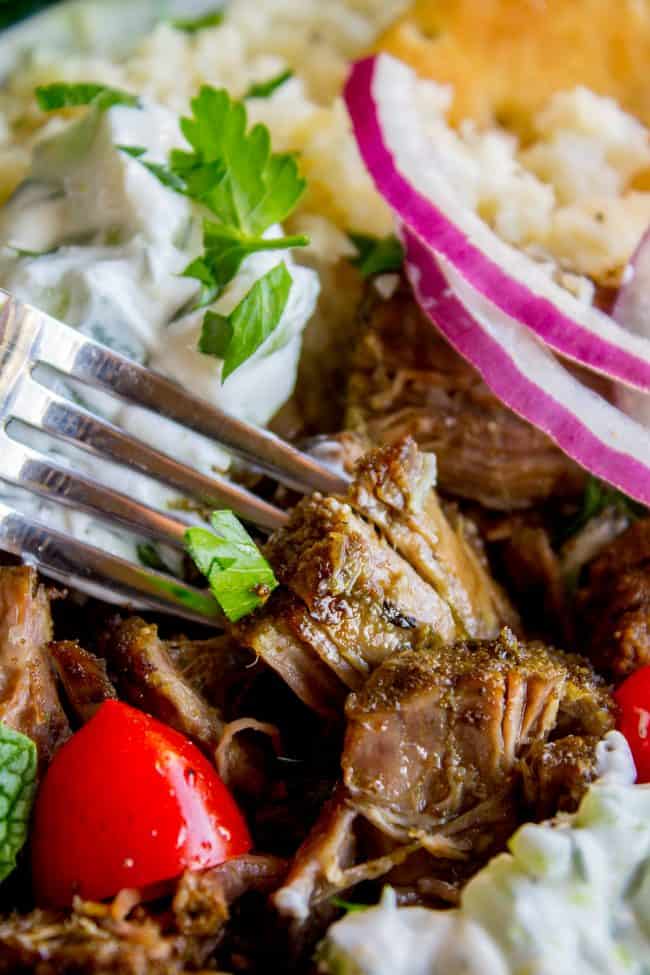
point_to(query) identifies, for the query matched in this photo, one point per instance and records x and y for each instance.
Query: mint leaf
(18, 765)
(239, 576)
(377, 255)
(264, 89)
(225, 248)
(193, 25)
(235, 337)
(233, 171)
(59, 95)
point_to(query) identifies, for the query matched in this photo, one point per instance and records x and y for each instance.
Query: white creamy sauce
(572, 896)
(113, 242)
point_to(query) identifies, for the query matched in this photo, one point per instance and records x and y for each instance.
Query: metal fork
(30, 339)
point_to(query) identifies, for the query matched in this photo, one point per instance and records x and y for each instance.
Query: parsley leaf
(224, 251)
(238, 574)
(348, 906)
(235, 337)
(150, 557)
(59, 95)
(264, 89)
(233, 171)
(18, 764)
(195, 24)
(377, 255)
(163, 173)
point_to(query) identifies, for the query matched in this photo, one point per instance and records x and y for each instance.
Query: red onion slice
(527, 377)
(409, 170)
(632, 311)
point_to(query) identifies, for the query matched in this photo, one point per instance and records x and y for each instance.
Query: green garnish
(18, 765)
(235, 337)
(239, 576)
(377, 255)
(59, 95)
(348, 906)
(150, 557)
(159, 170)
(195, 24)
(264, 89)
(596, 498)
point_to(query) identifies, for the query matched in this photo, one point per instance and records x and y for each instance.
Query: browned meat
(368, 575)
(406, 379)
(96, 939)
(217, 668)
(203, 898)
(28, 697)
(616, 604)
(146, 676)
(556, 774)
(436, 733)
(83, 678)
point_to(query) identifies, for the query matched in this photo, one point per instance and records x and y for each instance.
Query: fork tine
(72, 354)
(45, 410)
(98, 574)
(27, 468)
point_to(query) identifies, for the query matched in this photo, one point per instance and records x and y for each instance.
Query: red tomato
(128, 802)
(633, 699)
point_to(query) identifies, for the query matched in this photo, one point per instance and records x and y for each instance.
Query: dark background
(14, 10)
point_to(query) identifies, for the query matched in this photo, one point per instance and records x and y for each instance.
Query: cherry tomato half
(633, 699)
(128, 802)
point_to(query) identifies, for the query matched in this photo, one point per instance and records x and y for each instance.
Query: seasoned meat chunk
(615, 604)
(368, 575)
(83, 678)
(405, 379)
(147, 677)
(437, 732)
(28, 696)
(556, 774)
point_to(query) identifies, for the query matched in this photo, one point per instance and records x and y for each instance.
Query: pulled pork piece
(28, 696)
(433, 758)
(556, 774)
(83, 678)
(405, 379)
(437, 733)
(203, 898)
(615, 605)
(355, 592)
(96, 938)
(147, 677)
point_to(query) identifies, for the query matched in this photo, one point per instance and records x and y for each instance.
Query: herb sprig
(60, 94)
(377, 255)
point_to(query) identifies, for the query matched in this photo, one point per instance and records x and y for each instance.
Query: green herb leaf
(235, 337)
(59, 95)
(193, 25)
(163, 173)
(377, 255)
(348, 906)
(18, 765)
(239, 576)
(225, 248)
(233, 171)
(150, 558)
(596, 498)
(264, 89)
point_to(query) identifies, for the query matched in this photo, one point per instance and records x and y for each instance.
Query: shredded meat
(368, 575)
(615, 604)
(556, 774)
(405, 379)
(28, 696)
(147, 677)
(83, 678)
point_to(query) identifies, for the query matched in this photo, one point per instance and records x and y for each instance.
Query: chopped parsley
(599, 496)
(264, 89)
(150, 557)
(162, 173)
(18, 764)
(239, 576)
(235, 337)
(349, 906)
(61, 94)
(377, 255)
(194, 24)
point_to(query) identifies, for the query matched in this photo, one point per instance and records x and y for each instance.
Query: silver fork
(30, 339)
